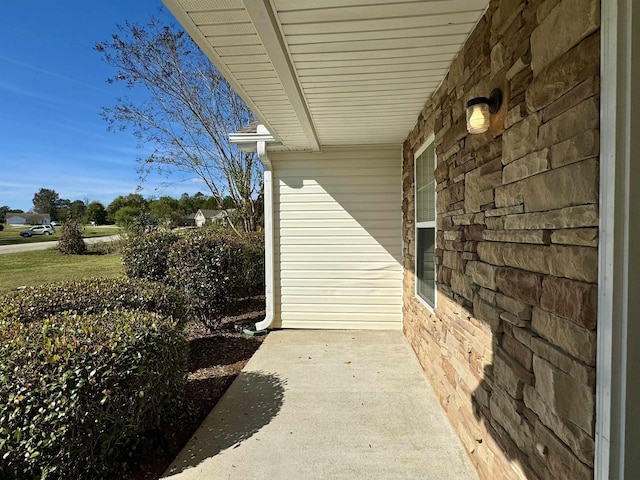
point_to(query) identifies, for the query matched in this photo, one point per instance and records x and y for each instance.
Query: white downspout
(268, 236)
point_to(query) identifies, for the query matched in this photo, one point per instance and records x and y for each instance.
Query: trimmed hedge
(78, 392)
(93, 296)
(210, 267)
(207, 268)
(145, 255)
(252, 276)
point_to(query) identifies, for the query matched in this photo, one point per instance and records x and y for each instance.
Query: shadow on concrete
(250, 403)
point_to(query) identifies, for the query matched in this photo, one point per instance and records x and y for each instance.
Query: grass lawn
(100, 231)
(46, 266)
(11, 235)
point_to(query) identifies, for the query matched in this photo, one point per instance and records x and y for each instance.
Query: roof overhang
(247, 141)
(332, 72)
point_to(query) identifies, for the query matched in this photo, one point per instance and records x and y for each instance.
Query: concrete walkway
(326, 405)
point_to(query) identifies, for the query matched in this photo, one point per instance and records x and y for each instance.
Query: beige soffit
(332, 72)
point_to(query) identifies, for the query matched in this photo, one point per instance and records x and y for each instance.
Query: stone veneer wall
(510, 350)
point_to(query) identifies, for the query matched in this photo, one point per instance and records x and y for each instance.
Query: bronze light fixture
(480, 109)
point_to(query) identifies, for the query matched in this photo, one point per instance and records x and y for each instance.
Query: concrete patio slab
(326, 404)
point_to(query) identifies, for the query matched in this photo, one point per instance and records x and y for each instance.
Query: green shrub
(79, 392)
(71, 242)
(207, 268)
(92, 296)
(144, 255)
(106, 247)
(128, 216)
(252, 276)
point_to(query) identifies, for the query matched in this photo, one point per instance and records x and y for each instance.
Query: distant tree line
(127, 209)
(123, 210)
(48, 201)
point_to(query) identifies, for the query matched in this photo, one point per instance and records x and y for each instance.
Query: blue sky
(52, 87)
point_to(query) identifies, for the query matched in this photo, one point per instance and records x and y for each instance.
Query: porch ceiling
(332, 72)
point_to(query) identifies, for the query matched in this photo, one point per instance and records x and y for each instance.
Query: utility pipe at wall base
(268, 237)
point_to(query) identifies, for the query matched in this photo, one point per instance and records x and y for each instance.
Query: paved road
(28, 247)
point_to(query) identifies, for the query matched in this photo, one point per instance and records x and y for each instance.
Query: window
(425, 205)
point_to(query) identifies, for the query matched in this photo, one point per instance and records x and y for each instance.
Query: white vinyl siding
(338, 242)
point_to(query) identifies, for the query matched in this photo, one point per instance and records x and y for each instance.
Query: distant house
(211, 216)
(188, 221)
(15, 218)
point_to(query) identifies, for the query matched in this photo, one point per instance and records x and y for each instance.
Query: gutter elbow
(265, 323)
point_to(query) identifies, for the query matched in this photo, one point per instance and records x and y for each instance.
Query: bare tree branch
(189, 111)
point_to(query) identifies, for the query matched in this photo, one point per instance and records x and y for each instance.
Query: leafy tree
(189, 112)
(3, 213)
(132, 200)
(62, 208)
(228, 203)
(210, 204)
(46, 201)
(191, 204)
(77, 210)
(127, 215)
(165, 210)
(96, 213)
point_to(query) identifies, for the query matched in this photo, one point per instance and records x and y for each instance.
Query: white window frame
(617, 437)
(418, 225)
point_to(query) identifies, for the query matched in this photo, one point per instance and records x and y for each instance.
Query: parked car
(38, 230)
(55, 223)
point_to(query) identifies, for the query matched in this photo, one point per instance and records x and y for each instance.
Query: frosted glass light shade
(480, 109)
(478, 117)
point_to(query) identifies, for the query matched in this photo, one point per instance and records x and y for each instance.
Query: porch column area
(338, 234)
(510, 348)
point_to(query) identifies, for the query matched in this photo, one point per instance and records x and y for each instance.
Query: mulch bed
(215, 359)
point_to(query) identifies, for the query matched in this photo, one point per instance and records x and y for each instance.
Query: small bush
(106, 247)
(252, 276)
(207, 268)
(211, 267)
(78, 392)
(144, 255)
(71, 242)
(1, 227)
(92, 296)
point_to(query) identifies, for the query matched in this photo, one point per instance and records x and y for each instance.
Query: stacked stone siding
(510, 349)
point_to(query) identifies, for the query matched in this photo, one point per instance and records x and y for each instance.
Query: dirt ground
(215, 359)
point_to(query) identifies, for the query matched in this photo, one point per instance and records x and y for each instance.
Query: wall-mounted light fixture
(479, 110)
